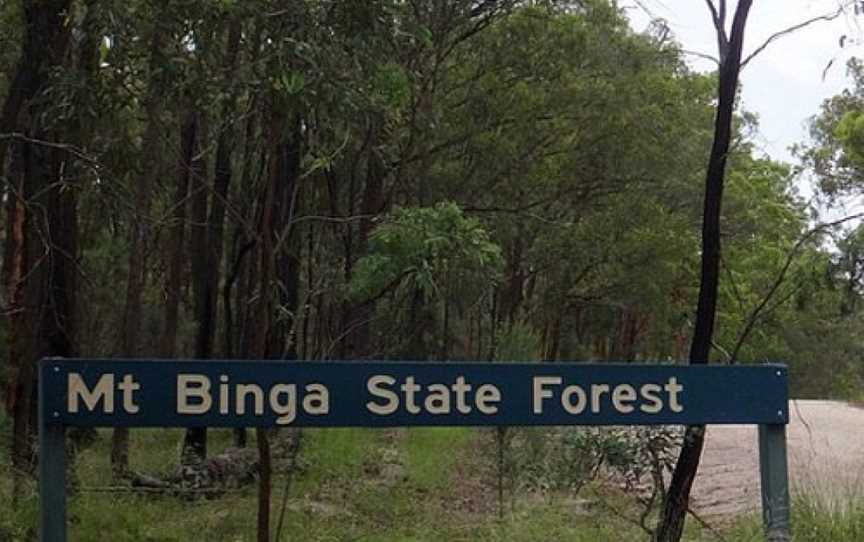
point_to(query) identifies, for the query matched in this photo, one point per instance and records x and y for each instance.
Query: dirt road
(826, 458)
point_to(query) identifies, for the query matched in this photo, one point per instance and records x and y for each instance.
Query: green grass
(371, 486)
(429, 453)
(813, 520)
(333, 454)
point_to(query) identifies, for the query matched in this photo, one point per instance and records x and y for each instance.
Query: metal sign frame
(186, 393)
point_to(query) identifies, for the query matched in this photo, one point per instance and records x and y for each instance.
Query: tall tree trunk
(222, 175)
(513, 287)
(18, 388)
(283, 344)
(233, 332)
(39, 273)
(207, 240)
(195, 442)
(176, 240)
(372, 205)
(277, 205)
(677, 499)
(138, 238)
(419, 323)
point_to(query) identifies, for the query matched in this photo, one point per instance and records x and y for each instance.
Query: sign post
(773, 469)
(52, 471)
(140, 393)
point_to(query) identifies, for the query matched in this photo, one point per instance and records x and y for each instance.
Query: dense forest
(398, 179)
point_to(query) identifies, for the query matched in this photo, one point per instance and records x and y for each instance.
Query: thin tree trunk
(138, 240)
(207, 239)
(262, 315)
(177, 235)
(283, 344)
(195, 442)
(677, 499)
(372, 205)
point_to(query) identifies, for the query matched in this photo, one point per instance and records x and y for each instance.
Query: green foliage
(339, 493)
(10, 41)
(544, 167)
(19, 523)
(550, 461)
(850, 134)
(328, 454)
(427, 454)
(391, 87)
(813, 520)
(518, 343)
(431, 247)
(524, 184)
(834, 151)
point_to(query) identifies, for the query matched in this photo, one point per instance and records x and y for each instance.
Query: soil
(825, 443)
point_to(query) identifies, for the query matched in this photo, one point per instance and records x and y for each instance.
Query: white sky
(784, 84)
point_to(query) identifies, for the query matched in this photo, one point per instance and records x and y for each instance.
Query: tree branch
(719, 19)
(781, 276)
(715, 16)
(794, 28)
(704, 56)
(71, 149)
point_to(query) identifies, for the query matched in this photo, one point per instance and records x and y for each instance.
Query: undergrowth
(420, 484)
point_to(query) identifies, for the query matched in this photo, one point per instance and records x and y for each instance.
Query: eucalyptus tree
(534, 140)
(730, 44)
(835, 152)
(41, 242)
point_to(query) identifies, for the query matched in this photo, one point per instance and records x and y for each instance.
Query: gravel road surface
(826, 459)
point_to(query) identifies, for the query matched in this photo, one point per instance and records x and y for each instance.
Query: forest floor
(419, 484)
(426, 484)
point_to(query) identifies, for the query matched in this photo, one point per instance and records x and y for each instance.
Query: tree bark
(287, 256)
(195, 441)
(277, 204)
(39, 269)
(176, 241)
(677, 499)
(373, 204)
(207, 239)
(138, 239)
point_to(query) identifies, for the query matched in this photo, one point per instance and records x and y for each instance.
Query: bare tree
(730, 63)
(730, 45)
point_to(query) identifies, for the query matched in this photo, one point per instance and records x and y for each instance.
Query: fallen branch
(154, 490)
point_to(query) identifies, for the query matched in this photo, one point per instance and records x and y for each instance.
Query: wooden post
(774, 473)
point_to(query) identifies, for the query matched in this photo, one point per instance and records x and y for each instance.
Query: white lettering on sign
(77, 390)
(197, 387)
(376, 386)
(567, 400)
(540, 392)
(673, 388)
(436, 398)
(487, 395)
(194, 396)
(199, 394)
(624, 398)
(287, 409)
(650, 393)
